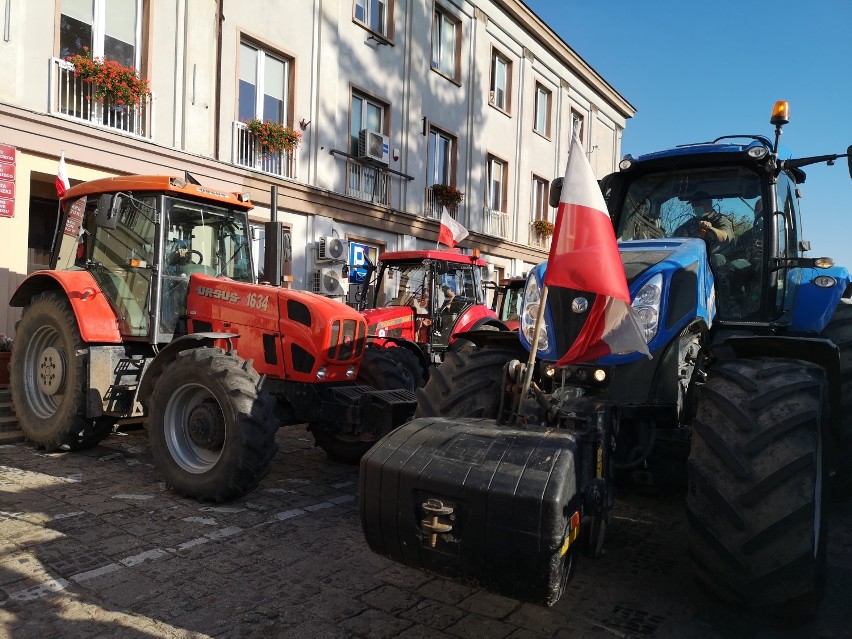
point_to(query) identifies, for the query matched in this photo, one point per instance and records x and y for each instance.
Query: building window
(445, 43)
(577, 124)
(500, 81)
(373, 14)
(542, 110)
(365, 113)
(440, 160)
(264, 91)
(111, 30)
(497, 171)
(540, 208)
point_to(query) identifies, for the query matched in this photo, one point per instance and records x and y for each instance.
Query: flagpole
(539, 318)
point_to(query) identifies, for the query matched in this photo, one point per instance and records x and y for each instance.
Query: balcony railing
(433, 208)
(71, 97)
(246, 152)
(537, 239)
(367, 182)
(495, 223)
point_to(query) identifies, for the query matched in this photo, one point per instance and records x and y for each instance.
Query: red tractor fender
(95, 318)
(475, 318)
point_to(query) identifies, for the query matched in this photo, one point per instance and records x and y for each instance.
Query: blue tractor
(746, 399)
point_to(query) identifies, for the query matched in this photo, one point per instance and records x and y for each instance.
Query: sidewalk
(92, 545)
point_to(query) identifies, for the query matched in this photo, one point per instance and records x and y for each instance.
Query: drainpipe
(220, 18)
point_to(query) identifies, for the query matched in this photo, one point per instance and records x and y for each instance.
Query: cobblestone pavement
(92, 545)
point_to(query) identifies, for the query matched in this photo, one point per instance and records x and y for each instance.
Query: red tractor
(151, 312)
(415, 310)
(508, 298)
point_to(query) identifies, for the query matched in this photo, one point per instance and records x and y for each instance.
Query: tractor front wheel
(467, 383)
(839, 330)
(756, 485)
(210, 429)
(49, 378)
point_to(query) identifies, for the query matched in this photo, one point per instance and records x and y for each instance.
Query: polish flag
(62, 183)
(584, 256)
(451, 232)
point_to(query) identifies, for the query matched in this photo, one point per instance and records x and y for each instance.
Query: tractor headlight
(647, 306)
(529, 313)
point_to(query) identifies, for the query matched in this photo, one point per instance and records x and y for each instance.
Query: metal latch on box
(432, 525)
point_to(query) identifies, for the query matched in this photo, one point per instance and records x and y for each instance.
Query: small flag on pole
(451, 232)
(62, 183)
(584, 256)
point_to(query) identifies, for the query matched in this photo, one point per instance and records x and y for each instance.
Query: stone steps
(10, 432)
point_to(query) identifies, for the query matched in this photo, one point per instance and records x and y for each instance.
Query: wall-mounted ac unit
(331, 249)
(373, 146)
(327, 281)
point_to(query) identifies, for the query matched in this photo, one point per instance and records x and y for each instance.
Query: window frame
(449, 178)
(575, 116)
(261, 53)
(441, 19)
(497, 56)
(542, 128)
(539, 199)
(386, 29)
(371, 101)
(491, 162)
(98, 34)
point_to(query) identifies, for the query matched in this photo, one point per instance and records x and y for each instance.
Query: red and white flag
(584, 256)
(62, 183)
(451, 232)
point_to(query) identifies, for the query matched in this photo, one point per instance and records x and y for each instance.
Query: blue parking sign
(358, 262)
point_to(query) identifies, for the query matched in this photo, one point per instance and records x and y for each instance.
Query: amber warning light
(780, 113)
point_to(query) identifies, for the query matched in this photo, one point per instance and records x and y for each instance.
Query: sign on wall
(7, 180)
(358, 254)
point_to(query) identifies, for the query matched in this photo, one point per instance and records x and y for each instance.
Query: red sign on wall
(7, 180)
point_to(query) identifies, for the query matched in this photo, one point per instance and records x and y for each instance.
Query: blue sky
(695, 71)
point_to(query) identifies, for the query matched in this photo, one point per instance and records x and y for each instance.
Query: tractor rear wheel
(467, 383)
(49, 378)
(210, 429)
(394, 368)
(756, 479)
(839, 330)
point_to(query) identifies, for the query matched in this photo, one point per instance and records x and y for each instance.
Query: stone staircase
(9, 430)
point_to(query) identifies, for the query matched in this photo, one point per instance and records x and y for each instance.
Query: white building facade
(391, 97)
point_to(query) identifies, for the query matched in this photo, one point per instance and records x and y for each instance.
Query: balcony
(433, 208)
(246, 152)
(72, 98)
(367, 182)
(495, 223)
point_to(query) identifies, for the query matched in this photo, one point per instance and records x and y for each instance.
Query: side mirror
(849, 159)
(109, 205)
(555, 192)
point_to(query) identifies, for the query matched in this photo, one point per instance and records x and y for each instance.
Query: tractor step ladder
(10, 432)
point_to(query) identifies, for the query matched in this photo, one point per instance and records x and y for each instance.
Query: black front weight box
(492, 506)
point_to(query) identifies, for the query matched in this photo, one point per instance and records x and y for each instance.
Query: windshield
(411, 284)
(201, 238)
(724, 207)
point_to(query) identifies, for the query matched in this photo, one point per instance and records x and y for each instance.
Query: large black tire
(211, 430)
(839, 330)
(467, 383)
(756, 477)
(394, 368)
(48, 376)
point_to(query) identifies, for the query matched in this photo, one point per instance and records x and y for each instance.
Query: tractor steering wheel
(194, 252)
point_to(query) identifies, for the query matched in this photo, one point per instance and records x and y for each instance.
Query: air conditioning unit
(373, 146)
(327, 281)
(331, 249)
